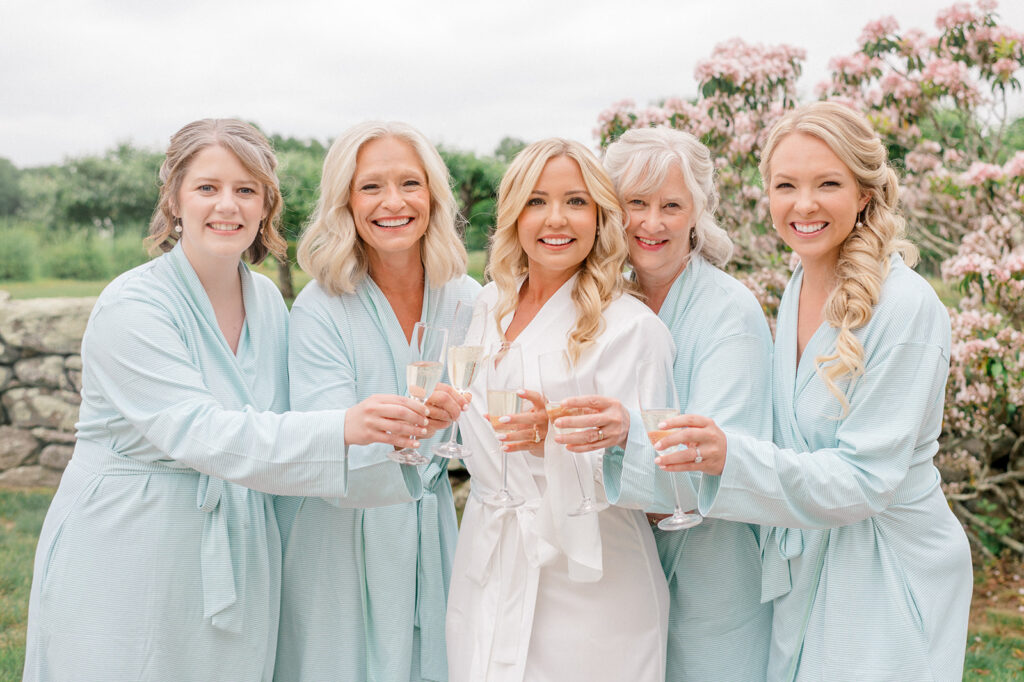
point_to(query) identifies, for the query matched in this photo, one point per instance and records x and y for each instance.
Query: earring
(860, 219)
(177, 225)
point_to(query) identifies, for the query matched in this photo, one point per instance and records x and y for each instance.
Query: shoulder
(267, 293)
(489, 293)
(908, 311)
(628, 316)
(147, 287)
(462, 288)
(726, 306)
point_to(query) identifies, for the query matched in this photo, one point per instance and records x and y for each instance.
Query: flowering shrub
(939, 103)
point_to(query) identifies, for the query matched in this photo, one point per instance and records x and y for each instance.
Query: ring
(698, 459)
(600, 434)
(536, 434)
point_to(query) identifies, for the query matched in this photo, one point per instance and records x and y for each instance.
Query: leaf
(1018, 653)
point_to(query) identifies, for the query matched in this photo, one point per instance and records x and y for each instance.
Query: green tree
(475, 184)
(10, 192)
(299, 171)
(508, 148)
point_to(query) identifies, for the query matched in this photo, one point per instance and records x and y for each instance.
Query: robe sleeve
(321, 376)
(876, 445)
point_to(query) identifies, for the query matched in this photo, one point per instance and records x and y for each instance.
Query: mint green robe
(869, 570)
(718, 627)
(364, 591)
(159, 559)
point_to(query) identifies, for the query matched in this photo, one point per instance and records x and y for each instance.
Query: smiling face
(558, 225)
(220, 205)
(814, 199)
(390, 199)
(659, 229)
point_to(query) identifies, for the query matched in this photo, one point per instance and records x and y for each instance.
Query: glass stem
(579, 476)
(679, 503)
(504, 472)
(455, 432)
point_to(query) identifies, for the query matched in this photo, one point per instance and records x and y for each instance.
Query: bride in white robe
(536, 594)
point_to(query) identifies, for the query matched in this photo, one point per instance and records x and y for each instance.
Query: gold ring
(600, 434)
(536, 434)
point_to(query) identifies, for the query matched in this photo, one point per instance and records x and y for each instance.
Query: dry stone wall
(40, 382)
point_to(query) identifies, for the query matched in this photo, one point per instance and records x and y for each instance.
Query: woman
(868, 568)
(718, 627)
(537, 594)
(364, 591)
(158, 558)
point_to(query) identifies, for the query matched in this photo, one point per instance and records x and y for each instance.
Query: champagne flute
(426, 363)
(658, 402)
(504, 379)
(465, 354)
(558, 381)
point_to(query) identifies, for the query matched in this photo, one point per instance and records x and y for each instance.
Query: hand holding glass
(465, 354)
(426, 363)
(504, 380)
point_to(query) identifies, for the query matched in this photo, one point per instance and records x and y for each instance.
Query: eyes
(668, 206)
(207, 188)
(831, 184)
(410, 184)
(575, 201)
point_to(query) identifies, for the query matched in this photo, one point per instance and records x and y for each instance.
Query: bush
(79, 256)
(126, 252)
(18, 248)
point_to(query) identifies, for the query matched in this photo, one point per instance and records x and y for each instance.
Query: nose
(556, 215)
(392, 199)
(650, 217)
(806, 203)
(226, 202)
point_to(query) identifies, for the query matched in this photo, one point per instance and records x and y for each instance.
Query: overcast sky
(78, 76)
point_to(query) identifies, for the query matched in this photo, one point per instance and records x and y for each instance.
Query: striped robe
(718, 627)
(364, 591)
(869, 570)
(158, 558)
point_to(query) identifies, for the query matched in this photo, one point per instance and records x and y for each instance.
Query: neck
(397, 272)
(656, 287)
(820, 275)
(219, 276)
(540, 286)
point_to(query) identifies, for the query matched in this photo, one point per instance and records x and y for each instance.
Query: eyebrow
(243, 182)
(819, 176)
(572, 191)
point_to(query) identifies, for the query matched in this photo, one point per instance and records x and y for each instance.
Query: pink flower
(875, 30)
(955, 16)
(979, 173)
(1014, 167)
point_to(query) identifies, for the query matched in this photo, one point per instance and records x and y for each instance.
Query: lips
(649, 244)
(556, 241)
(224, 227)
(809, 228)
(392, 223)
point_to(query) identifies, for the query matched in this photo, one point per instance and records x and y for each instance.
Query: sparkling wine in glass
(465, 356)
(504, 379)
(558, 382)
(658, 402)
(426, 364)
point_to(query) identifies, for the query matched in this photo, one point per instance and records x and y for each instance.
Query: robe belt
(781, 545)
(431, 593)
(220, 588)
(509, 586)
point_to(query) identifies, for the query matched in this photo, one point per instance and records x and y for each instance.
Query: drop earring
(177, 225)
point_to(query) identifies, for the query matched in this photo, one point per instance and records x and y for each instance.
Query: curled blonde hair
(332, 251)
(600, 278)
(254, 153)
(640, 161)
(879, 232)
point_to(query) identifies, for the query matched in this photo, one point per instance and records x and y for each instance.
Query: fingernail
(504, 420)
(662, 425)
(423, 432)
(521, 392)
(503, 436)
(505, 448)
(415, 444)
(425, 422)
(657, 460)
(465, 407)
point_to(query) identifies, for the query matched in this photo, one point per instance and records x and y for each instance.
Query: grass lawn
(996, 640)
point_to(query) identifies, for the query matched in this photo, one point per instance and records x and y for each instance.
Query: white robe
(537, 595)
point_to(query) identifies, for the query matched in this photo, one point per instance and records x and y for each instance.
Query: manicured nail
(423, 432)
(504, 420)
(662, 425)
(521, 392)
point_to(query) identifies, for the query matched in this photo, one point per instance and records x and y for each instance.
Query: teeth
(224, 227)
(395, 222)
(807, 228)
(551, 241)
(650, 242)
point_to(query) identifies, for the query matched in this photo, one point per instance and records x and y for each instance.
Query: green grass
(994, 659)
(21, 518)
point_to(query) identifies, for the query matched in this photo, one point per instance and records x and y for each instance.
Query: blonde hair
(639, 163)
(600, 278)
(254, 153)
(879, 232)
(332, 251)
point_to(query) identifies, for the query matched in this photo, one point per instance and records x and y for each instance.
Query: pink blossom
(875, 30)
(1014, 167)
(979, 173)
(1004, 68)
(987, 5)
(955, 16)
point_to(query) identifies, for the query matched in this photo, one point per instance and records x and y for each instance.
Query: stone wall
(40, 381)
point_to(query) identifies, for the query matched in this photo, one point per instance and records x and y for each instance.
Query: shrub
(79, 256)
(18, 248)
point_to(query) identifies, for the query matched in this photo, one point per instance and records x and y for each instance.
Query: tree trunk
(284, 279)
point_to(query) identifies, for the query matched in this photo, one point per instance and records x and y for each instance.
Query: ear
(864, 199)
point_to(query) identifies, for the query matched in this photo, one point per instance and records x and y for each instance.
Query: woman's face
(390, 200)
(558, 225)
(814, 198)
(659, 228)
(220, 205)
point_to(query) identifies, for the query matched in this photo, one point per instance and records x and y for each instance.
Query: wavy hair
(600, 278)
(878, 233)
(640, 161)
(332, 251)
(254, 153)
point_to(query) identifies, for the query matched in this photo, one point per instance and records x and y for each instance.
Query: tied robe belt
(431, 588)
(509, 584)
(780, 545)
(220, 584)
